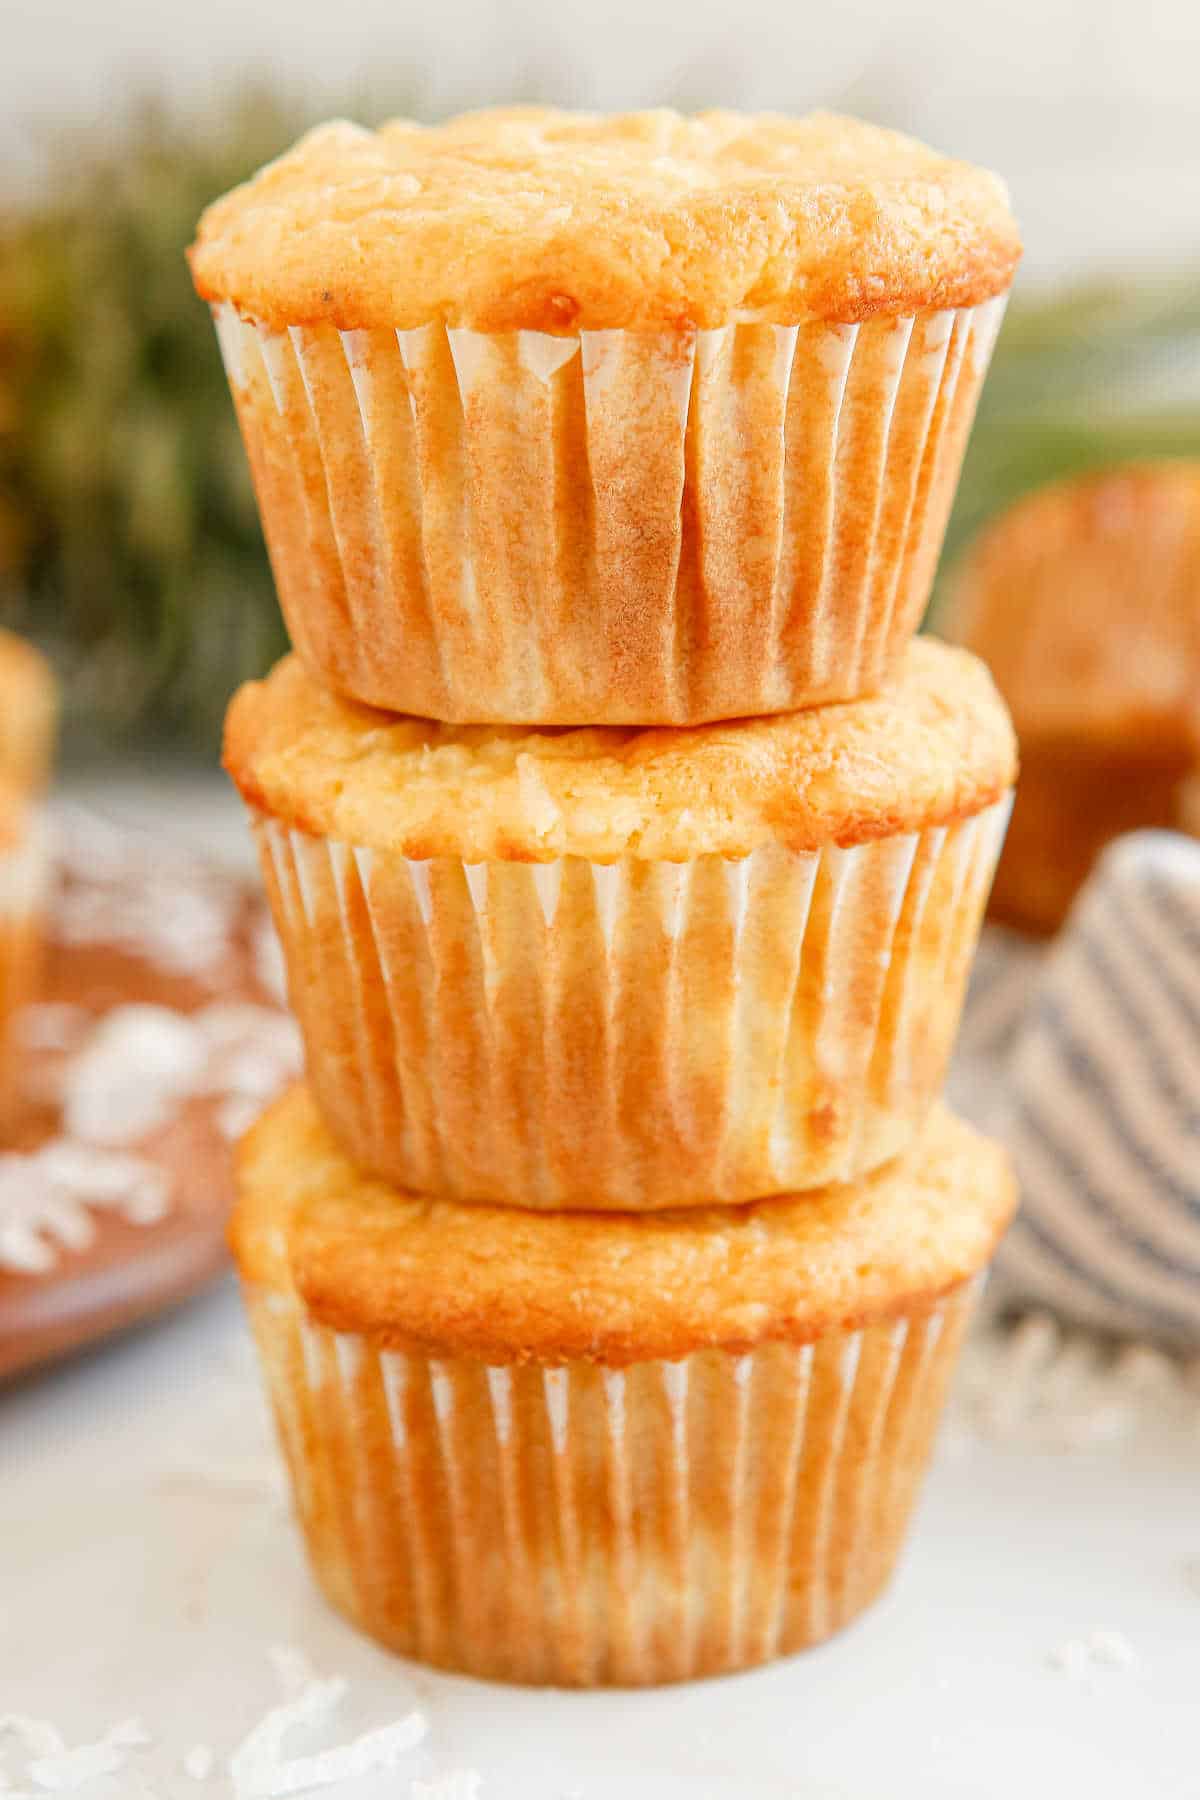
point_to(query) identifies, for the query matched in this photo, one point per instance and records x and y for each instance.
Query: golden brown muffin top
(526, 218)
(935, 746)
(28, 713)
(1084, 598)
(510, 1285)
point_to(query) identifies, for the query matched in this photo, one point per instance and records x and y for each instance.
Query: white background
(1088, 108)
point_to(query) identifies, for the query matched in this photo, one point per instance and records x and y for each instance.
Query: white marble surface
(147, 1566)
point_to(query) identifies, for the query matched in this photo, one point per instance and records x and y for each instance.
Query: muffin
(28, 715)
(1085, 600)
(561, 419)
(24, 884)
(645, 967)
(1188, 803)
(28, 721)
(578, 1449)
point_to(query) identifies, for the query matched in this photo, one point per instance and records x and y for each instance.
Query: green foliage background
(129, 544)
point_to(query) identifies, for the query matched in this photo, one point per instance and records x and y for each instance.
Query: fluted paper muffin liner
(614, 527)
(585, 1525)
(638, 1034)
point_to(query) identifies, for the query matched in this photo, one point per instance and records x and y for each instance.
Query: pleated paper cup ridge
(583, 1525)
(612, 527)
(639, 1034)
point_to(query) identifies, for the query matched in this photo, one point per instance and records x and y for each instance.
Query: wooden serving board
(159, 1034)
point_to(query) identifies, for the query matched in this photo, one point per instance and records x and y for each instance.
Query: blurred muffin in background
(1085, 600)
(24, 881)
(28, 718)
(1189, 793)
(28, 715)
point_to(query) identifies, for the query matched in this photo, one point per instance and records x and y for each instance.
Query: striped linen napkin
(1084, 1058)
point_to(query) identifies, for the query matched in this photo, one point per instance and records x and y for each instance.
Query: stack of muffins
(628, 860)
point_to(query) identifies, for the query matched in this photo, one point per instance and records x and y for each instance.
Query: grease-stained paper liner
(24, 890)
(582, 1525)
(642, 1034)
(608, 528)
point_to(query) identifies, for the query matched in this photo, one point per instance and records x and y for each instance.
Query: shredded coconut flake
(137, 1063)
(1070, 1658)
(36, 1737)
(257, 1767)
(169, 910)
(49, 1199)
(260, 1770)
(1112, 1649)
(142, 1061)
(64, 1771)
(131, 1075)
(1101, 1649)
